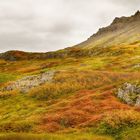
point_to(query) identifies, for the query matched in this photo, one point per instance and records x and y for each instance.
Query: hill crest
(123, 30)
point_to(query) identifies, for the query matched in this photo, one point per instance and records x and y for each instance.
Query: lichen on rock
(130, 94)
(28, 82)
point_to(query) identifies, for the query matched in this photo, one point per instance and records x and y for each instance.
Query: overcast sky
(47, 25)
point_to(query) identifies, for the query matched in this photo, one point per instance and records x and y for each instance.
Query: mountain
(88, 91)
(124, 30)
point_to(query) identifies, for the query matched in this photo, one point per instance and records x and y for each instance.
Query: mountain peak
(118, 23)
(137, 13)
(124, 19)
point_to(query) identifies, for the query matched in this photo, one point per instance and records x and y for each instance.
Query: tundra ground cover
(79, 99)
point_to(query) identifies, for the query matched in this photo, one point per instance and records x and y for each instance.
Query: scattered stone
(137, 66)
(28, 82)
(130, 94)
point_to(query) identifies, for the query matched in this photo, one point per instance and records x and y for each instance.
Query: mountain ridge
(118, 26)
(119, 23)
(123, 30)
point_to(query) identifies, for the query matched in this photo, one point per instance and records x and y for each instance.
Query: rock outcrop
(28, 82)
(130, 94)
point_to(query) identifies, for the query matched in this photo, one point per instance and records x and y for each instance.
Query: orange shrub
(114, 122)
(5, 95)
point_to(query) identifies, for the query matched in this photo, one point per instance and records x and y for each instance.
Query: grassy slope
(78, 136)
(78, 101)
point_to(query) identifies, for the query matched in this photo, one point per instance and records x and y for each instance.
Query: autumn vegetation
(80, 103)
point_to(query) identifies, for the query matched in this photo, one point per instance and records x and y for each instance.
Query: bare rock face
(28, 82)
(130, 94)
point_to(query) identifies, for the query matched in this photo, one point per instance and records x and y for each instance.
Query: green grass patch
(130, 134)
(6, 77)
(82, 136)
(120, 123)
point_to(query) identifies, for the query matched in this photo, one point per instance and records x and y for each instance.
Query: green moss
(6, 77)
(130, 134)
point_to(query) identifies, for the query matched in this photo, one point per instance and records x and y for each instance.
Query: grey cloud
(131, 2)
